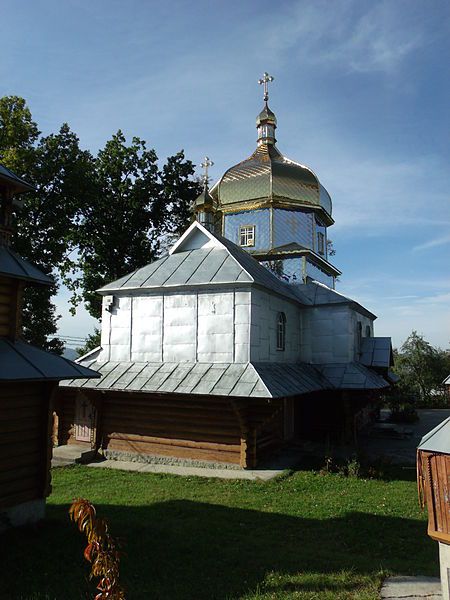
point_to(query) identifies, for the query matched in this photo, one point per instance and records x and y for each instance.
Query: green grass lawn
(304, 535)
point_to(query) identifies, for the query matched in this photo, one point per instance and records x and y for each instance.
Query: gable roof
(438, 439)
(19, 185)
(200, 257)
(22, 362)
(12, 265)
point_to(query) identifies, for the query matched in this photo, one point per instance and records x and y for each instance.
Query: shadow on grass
(185, 550)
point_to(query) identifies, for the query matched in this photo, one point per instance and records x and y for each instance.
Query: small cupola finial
(207, 162)
(204, 205)
(265, 80)
(266, 122)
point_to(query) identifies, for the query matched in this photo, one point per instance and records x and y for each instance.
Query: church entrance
(84, 418)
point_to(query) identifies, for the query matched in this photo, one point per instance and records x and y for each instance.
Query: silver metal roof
(446, 381)
(12, 265)
(352, 376)
(438, 439)
(260, 380)
(20, 361)
(318, 294)
(225, 263)
(376, 352)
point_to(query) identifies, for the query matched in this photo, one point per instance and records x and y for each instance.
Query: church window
(247, 235)
(281, 331)
(368, 331)
(320, 243)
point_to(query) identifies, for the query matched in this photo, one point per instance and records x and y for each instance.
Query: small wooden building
(433, 475)
(29, 379)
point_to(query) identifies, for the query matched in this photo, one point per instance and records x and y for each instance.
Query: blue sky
(361, 94)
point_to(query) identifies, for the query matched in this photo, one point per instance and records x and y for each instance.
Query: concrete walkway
(413, 588)
(262, 474)
(72, 454)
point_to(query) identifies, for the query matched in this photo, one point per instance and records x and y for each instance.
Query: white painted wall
(178, 327)
(226, 326)
(265, 308)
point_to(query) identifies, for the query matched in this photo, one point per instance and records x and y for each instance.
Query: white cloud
(377, 40)
(438, 241)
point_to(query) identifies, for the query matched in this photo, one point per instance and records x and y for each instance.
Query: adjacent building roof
(19, 185)
(22, 362)
(201, 258)
(377, 352)
(446, 381)
(262, 380)
(12, 265)
(438, 439)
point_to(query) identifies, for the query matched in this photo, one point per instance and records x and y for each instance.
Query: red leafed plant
(102, 550)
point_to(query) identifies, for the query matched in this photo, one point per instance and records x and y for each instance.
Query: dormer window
(247, 235)
(281, 331)
(320, 243)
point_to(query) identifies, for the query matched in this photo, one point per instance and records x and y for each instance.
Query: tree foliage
(91, 219)
(422, 369)
(134, 206)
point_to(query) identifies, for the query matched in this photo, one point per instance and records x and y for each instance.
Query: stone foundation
(22, 514)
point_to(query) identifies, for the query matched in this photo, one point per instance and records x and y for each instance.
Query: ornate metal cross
(265, 79)
(205, 165)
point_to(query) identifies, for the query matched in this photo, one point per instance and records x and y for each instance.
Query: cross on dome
(265, 80)
(207, 162)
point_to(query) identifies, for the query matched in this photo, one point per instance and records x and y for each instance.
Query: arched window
(281, 331)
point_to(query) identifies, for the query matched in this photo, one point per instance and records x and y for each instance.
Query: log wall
(193, 427)
(25, 445)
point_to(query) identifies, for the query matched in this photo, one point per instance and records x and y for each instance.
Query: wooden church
(236, 342)
(29, 380)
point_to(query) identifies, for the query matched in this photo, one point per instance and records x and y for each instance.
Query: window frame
(281, 332)
(244, 230)
(320, 243)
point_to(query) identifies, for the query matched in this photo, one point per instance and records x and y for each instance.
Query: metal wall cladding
(215, 327)
(356, 318)
(327, 335)
(147, 328)
(315, 273)
(265, 310)
(178, 327)
(293, 226)
(259, 218)
(293, 269)
(120, 332)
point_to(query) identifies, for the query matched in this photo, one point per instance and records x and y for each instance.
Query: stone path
(413, 588)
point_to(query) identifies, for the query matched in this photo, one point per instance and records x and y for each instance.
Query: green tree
(61, 174)
(421, 368)
(133, 208)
